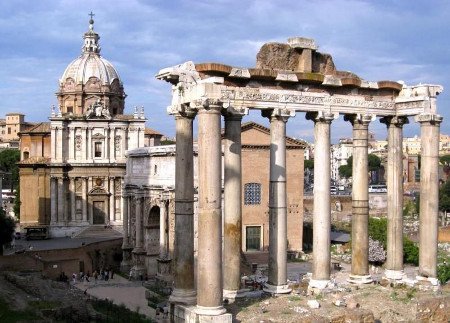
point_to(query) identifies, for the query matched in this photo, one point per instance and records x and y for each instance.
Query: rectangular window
(69, 109)
(253, 238)
(9, 130)
(98, 149)
(252, 193)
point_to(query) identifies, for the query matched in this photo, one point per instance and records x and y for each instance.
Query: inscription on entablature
(409, 105)
(304, 98)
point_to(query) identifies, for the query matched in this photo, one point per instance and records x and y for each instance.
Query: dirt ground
(388, 304)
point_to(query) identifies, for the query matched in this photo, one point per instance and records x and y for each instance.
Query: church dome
(90, 65)
(90, 79)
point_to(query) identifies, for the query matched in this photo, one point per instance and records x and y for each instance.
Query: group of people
(102, 274)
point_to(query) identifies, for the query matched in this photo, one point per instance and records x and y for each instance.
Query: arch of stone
(289, 79)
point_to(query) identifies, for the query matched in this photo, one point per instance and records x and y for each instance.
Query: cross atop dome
(91, 21)
(91, 38)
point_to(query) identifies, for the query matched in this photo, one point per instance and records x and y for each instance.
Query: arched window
(252, 193)
(26, 155)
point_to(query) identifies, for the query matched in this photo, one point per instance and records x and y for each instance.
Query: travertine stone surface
(183, 255)
(322, 205)
(209, 265)
(394, 261)
(429, 188)
(232, 204)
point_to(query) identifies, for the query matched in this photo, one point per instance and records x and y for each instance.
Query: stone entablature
(378, 101)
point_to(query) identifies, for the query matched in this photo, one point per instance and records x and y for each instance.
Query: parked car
(378, 188)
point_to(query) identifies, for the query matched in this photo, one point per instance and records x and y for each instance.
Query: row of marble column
(216, 278)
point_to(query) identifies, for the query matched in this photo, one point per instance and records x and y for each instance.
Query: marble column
(84, 190)
(209, 264)
(429, 193)
(277, 280)
(162, 230)
(73, 211)
(53, 200)
(61, 200)
(126, 245)
(394, 261)
(232, 241)
(139, 252)
(183, 255)
(360, 200)
(322, 200)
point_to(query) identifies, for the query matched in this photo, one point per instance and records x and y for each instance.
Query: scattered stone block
(312, 303)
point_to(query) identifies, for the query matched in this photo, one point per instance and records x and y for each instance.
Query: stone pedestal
(393, 275)
(191, 314)
(429, 192)
(184, 286)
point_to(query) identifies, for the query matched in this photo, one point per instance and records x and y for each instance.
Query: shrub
(410, 252)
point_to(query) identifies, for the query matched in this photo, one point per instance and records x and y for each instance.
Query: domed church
(89, 135)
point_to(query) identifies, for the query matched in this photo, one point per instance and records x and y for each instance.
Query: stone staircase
(97, 231)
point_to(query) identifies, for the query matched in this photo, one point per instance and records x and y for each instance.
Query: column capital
(398, 121)
(233, 113)
(321, 116)
(278, 114)
(182, 111)
(428, 118)
(362, 119)
(207, 104)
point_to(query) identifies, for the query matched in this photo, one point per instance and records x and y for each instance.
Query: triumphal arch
(289, 80)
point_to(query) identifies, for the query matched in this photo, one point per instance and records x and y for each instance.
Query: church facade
(85, 163)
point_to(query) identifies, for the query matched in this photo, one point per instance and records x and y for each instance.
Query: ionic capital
(360, 119)
(207, 104)
(321, 116)
(394, 121)
(233, 113)
(429, 118)
(278, 114)
(182, 111)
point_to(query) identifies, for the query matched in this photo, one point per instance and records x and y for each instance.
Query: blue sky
(377, 40)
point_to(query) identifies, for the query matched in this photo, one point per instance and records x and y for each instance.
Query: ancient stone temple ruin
(289, 80)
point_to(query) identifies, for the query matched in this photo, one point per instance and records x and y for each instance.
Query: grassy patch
(117, 313)
(8, 315)
(43, 305)
(295, 298)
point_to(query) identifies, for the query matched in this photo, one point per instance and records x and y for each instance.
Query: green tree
(8, 164)
(445, 162)
(7, 226)
(309, 164)
(444, 197)
(374, 163)
(345, 171)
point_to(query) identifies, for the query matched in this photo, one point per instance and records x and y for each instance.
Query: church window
(26, 155)
(252, 193)
(98, 149)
